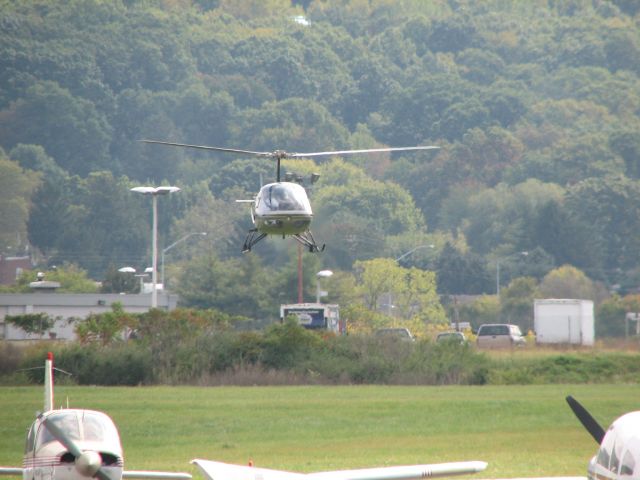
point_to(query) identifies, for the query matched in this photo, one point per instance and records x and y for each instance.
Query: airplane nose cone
(88, 463)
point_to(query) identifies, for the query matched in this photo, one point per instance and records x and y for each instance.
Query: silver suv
(499, 335)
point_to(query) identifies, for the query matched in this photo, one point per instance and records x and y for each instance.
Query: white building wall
(69, 306)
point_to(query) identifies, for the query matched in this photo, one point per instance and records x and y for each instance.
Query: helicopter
(283, 208)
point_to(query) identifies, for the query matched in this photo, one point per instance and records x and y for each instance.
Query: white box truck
(567, 321)
(315, 316)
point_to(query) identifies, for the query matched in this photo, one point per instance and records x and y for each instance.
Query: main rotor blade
(369, 150)
(590, 423)
(205, 147)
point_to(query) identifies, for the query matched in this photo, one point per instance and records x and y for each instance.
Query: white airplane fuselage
(47, 459)
(618, 457)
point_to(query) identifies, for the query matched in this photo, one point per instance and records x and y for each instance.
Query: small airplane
(618, 457)
(283, 208)
(73, 444)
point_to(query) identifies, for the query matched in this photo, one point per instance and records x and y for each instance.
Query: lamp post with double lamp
(155, 192)
(523, 254)
(165, 250)
(319, 275)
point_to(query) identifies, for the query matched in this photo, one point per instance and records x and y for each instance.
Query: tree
(235, 286)
(610, 206)
(16, 189)
(71, 129)
(72, 279)
(104, 328)
(94, 222)
(461, 273)
(412, 291)
(119, 282)
(567, 282)
(516, 302)
(32, 323)
(484, 309)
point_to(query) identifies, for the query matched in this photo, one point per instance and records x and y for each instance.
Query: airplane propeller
(589, 423)
(88, 463)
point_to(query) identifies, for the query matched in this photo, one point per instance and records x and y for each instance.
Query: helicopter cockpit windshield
(285, 197)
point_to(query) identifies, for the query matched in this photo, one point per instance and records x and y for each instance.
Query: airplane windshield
(80, 425)
(67, 421)
(283, 197)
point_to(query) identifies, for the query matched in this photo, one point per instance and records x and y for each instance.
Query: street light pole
(319, 275)
(406, 254)
(154, 192)
(186, 237)
(524, 254)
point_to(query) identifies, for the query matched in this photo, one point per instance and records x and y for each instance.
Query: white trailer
(564, 321)
(315, 316)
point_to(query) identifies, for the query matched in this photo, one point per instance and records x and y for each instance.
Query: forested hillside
(534, 105)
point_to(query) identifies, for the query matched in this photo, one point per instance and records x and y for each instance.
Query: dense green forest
(534, 105)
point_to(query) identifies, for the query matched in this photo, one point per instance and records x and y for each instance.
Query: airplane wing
(225, 471)
(142, 474)
(16, 472)
(542, 478)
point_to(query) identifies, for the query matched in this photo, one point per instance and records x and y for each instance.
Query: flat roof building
(66, 307)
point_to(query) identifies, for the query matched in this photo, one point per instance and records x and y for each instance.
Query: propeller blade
(89, 463)
(205, 147)
(61, 436)
(369, 150)
(102, 475)
(589, 423)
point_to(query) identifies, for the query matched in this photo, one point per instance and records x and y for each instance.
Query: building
(12, 267)
(67, 307)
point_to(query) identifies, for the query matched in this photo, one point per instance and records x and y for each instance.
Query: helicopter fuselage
(282, 208)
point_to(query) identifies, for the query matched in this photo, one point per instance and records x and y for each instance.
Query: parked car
(401, 333)
(457, 337)
(499, 335)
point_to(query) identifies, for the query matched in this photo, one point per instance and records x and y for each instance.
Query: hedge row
(289, 354)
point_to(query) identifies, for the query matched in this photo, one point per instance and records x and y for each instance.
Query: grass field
(519, 430)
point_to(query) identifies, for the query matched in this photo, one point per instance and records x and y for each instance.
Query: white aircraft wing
(541, 478)
(225, 471)
(142, 474)
(17, 472)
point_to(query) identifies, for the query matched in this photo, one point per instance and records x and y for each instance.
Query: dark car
(455, 337)
(401, 333)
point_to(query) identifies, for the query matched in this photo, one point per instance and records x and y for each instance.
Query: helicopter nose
(88, 463)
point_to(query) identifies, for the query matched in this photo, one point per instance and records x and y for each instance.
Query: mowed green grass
(519, 430)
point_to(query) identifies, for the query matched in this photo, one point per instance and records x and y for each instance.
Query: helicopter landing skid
(308, 241)
(252, 239)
